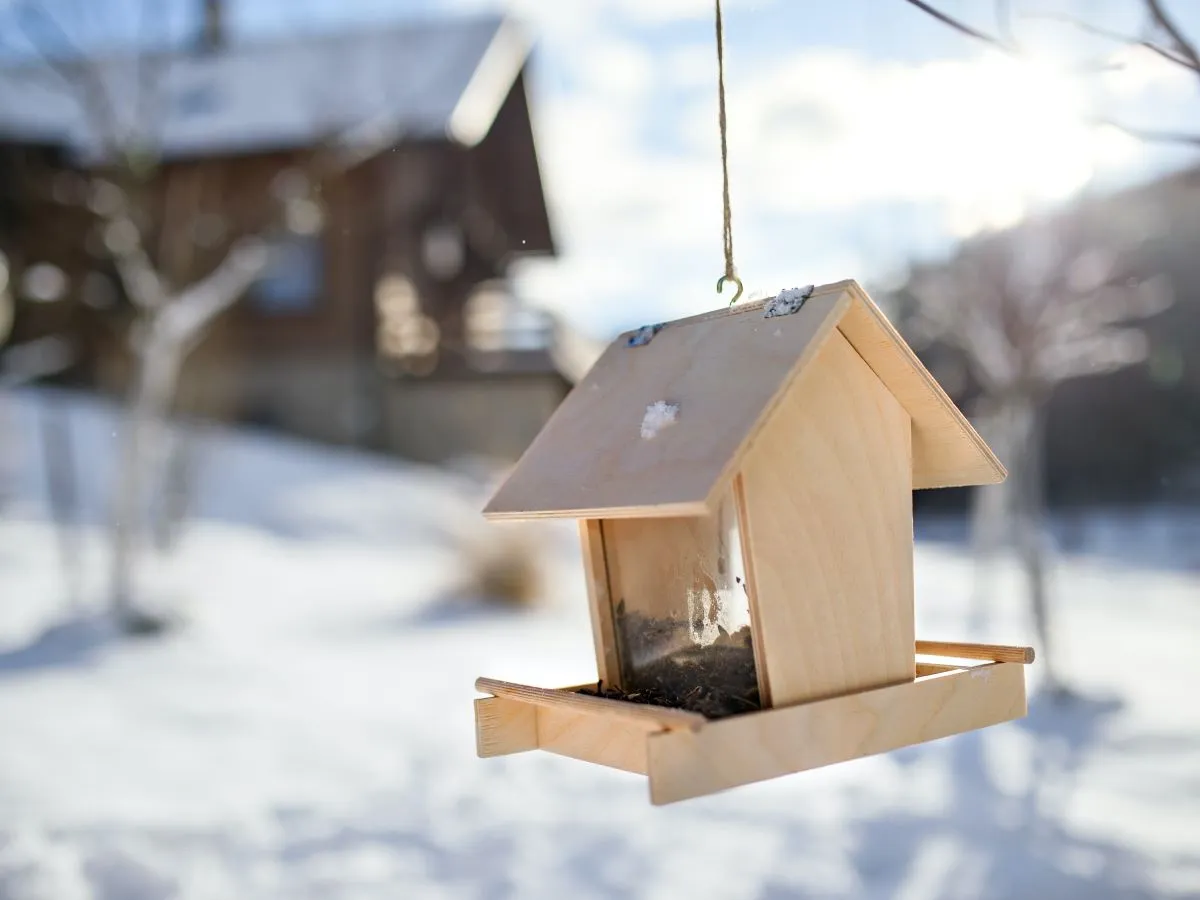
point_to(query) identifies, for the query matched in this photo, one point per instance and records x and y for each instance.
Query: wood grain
(600, 605)
(828, 505)
(504, 726)
(776, 742)
(993, 652)
(761, 670)
(589, 461)
(646, 716)
(603, 740)
(924, 668)
(726, 371)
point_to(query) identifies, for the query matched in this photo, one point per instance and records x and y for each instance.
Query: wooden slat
(504, 726)
(776, 742)
(829, 508)
(726, 371)
(924, 669)
(600, 739)
(600, 602)
(947, 451)
(993, 652)
(651, 718)
(761, 670)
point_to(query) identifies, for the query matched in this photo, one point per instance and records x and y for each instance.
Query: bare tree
(1043, 305)
(170, 316)
(1028, 310)
(1160, 34)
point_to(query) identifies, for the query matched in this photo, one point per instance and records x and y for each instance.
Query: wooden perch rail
(683, 761)
(989, 652)
(655, 717)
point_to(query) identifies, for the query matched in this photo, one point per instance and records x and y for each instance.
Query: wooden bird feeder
(743, 483)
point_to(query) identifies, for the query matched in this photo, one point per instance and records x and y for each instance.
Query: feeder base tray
(686, 755)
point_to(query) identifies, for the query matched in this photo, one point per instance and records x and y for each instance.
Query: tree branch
(1163, 21)
(1115, 36)
(137, 272)
(962, 27)
(185, 317)
(1008, 45)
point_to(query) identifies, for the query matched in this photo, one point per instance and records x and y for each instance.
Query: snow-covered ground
(309, 733)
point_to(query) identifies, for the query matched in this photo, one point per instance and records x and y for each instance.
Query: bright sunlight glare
(988, 138)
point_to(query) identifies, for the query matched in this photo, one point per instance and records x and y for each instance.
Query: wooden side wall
(826, 507)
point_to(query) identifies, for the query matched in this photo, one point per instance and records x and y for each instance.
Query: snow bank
(310, 734)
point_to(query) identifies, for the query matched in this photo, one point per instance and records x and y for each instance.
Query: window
(294, 277)
(406, 336)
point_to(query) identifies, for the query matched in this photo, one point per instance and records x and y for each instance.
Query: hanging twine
(730, 272)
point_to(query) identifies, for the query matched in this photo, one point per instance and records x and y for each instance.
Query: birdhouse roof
(660, 428)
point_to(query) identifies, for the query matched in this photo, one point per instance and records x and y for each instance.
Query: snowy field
(309, 733)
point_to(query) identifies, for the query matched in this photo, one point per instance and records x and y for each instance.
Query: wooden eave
(727, 370)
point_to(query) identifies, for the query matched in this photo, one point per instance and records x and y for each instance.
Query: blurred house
(1132, 435)
(385, 319)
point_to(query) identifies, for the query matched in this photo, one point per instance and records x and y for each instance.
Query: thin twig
(1008, 46)
(1115, 36)
(968, 30)
(1185, 46)
(1189, 59)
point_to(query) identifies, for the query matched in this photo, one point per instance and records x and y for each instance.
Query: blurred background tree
(1050, 301)
(145, 226)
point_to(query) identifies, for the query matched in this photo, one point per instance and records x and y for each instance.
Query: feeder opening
(681, 613)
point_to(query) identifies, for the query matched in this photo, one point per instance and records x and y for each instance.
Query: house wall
(433, 421)
(313, 370)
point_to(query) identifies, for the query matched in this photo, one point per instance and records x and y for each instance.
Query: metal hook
(721, 284)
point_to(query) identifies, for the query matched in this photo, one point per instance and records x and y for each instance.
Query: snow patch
(261, 752)
(787, 301)
(659, 415)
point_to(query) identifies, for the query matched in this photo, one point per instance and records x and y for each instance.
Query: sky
(862, 134)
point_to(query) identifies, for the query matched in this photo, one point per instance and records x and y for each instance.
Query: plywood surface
(947, 451)
(725, 370)
(504, 726)
(603, 740)
(776, 742)
(639, 715)
(993, 652)
(826, 494)
(600, 604)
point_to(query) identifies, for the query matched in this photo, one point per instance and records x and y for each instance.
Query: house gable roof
(726, 370)
(442, 79)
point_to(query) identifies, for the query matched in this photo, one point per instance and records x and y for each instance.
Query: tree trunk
(62, 492)
(989, 505)
(1030, 526)
(178, 483)
(158, 361)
